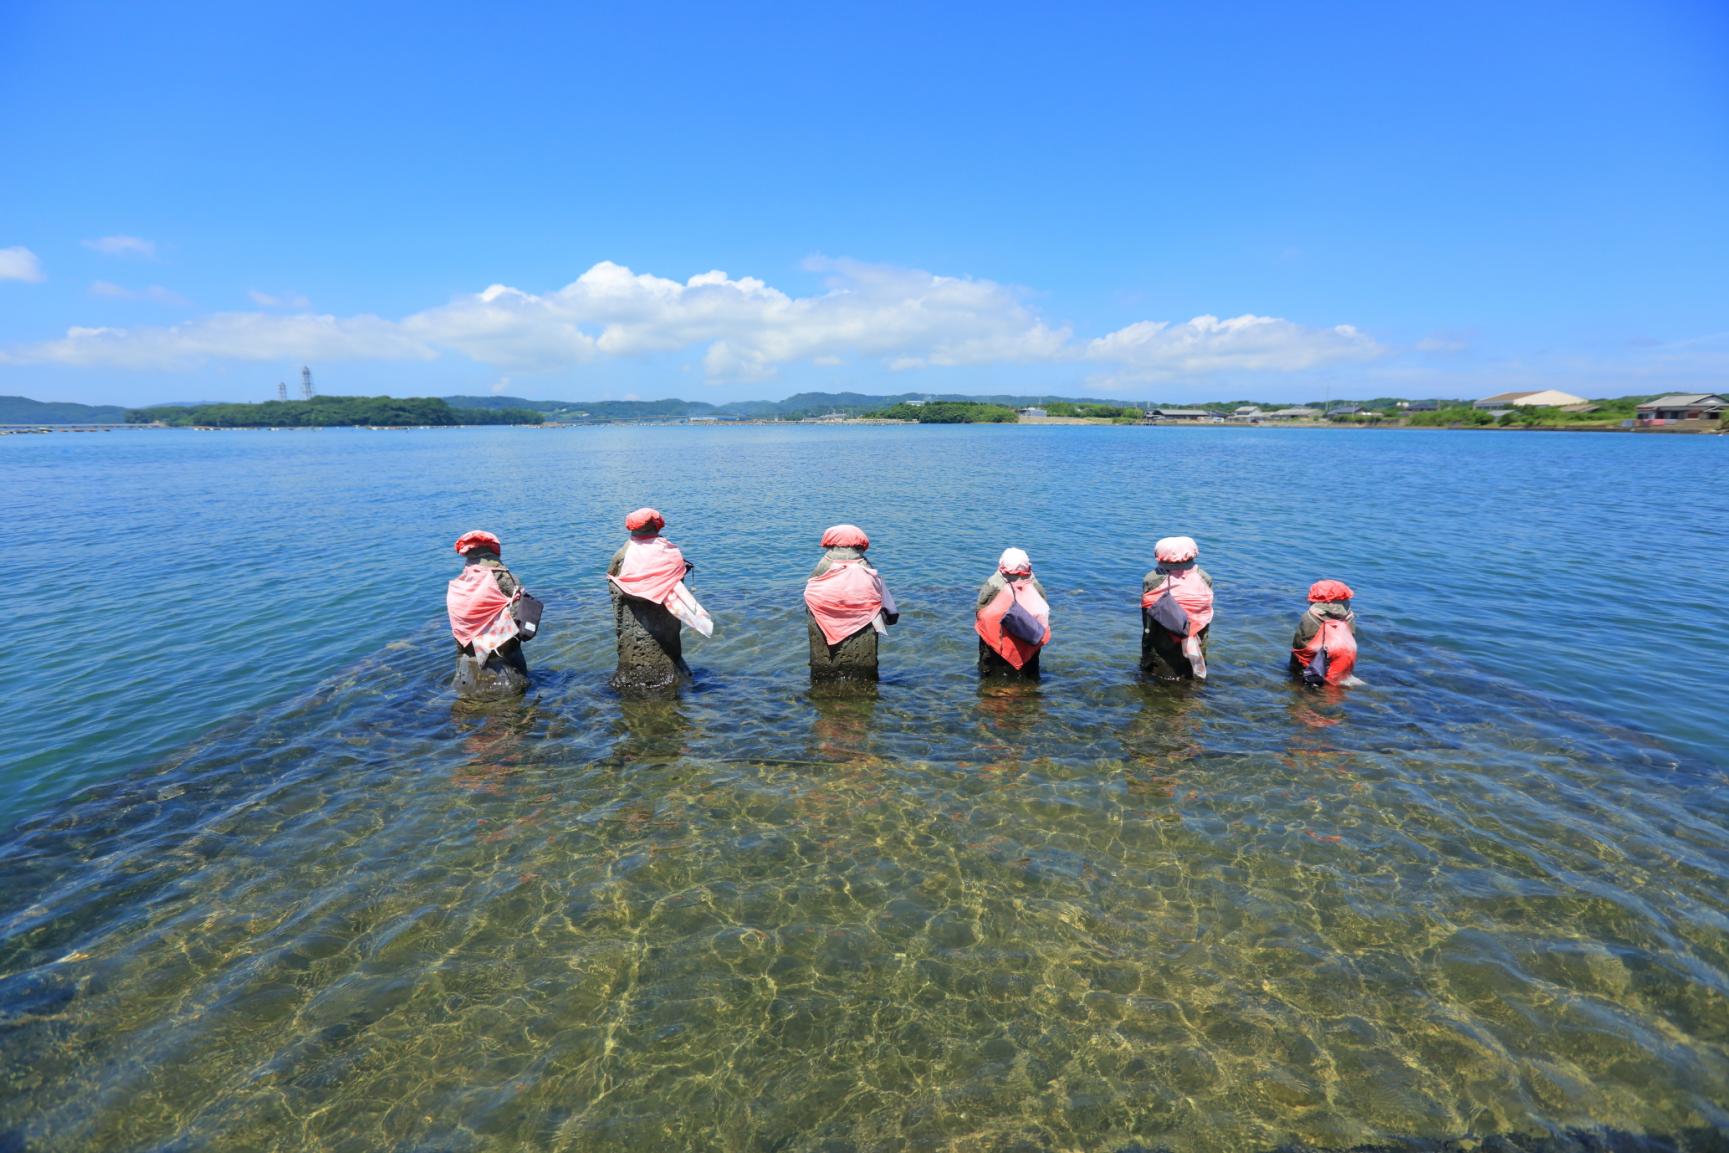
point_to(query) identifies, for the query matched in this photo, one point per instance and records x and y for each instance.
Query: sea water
(264, 883)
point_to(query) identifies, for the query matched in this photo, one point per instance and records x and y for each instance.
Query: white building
(1546, 398)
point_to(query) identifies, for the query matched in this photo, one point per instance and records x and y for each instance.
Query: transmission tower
(305, 383)
(281, 390)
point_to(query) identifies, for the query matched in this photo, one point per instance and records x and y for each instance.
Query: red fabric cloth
(989, 622)
(845, 598)
(478, 539)
(652, 568)
(1336, 637)
(1190, 591)
(1327, 591)
(845, 536)
(479, 610)
(645, 520)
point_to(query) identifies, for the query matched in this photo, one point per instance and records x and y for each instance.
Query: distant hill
(498, 402)
(23, 410)
(792, 408)
(589, 409)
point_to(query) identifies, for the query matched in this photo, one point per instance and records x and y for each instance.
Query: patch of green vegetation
(1093, 411)
(948, 412)
(330, 412)
(1605, 414)
(1455, 414)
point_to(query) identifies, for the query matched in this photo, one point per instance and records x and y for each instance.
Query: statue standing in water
(1324, 647)
(481, 603)
(1176, 612)
(649, 603)
(848, 606)
(1012, 618)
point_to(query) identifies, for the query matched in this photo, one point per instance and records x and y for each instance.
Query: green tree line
(1093, 411)
(330, 412)
(948, 412)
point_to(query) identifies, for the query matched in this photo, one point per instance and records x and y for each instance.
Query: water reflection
(496, 736)
(650, 729)
(841, 716)
(1168, 724)
(1319, 707)
(1007, 713)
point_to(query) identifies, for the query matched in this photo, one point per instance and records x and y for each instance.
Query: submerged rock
(504, 674)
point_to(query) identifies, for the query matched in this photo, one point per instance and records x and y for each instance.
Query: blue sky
(1179, 202)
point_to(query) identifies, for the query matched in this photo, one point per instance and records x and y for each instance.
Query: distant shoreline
(1384, 426)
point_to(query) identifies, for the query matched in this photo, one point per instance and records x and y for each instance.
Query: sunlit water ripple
(271, 887)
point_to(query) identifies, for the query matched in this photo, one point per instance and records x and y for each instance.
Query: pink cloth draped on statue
(1189, 590)
(988, 622)
(846, 598)
(479, 611)
(652, 568)
(1195, 595)
(1336, 637)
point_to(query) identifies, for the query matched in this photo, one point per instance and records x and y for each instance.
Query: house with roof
(1178, 414)
(1683, 406)
(1543, 398)
(1299, 412)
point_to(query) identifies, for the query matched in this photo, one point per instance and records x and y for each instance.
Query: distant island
(331, 412)
(1522, 410)
(1510, 410)
(23, 410)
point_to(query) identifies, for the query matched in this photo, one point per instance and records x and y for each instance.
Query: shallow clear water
(269, 886)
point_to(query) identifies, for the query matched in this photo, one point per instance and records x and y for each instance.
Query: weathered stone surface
(650, 647)
(855, 658)
(1162, 654)
(993, 665)
(505, 674)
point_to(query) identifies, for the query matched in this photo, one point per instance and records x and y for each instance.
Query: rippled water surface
(266, 885)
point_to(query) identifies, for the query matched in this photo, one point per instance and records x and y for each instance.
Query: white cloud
(123, 246)
(154, 293)
(19, 263)
(748, 329)
(227, 336)
(1703, 354)
(501, 386)
(1157, 349)
(279, 299)
(744, 329)
(1440, 343)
